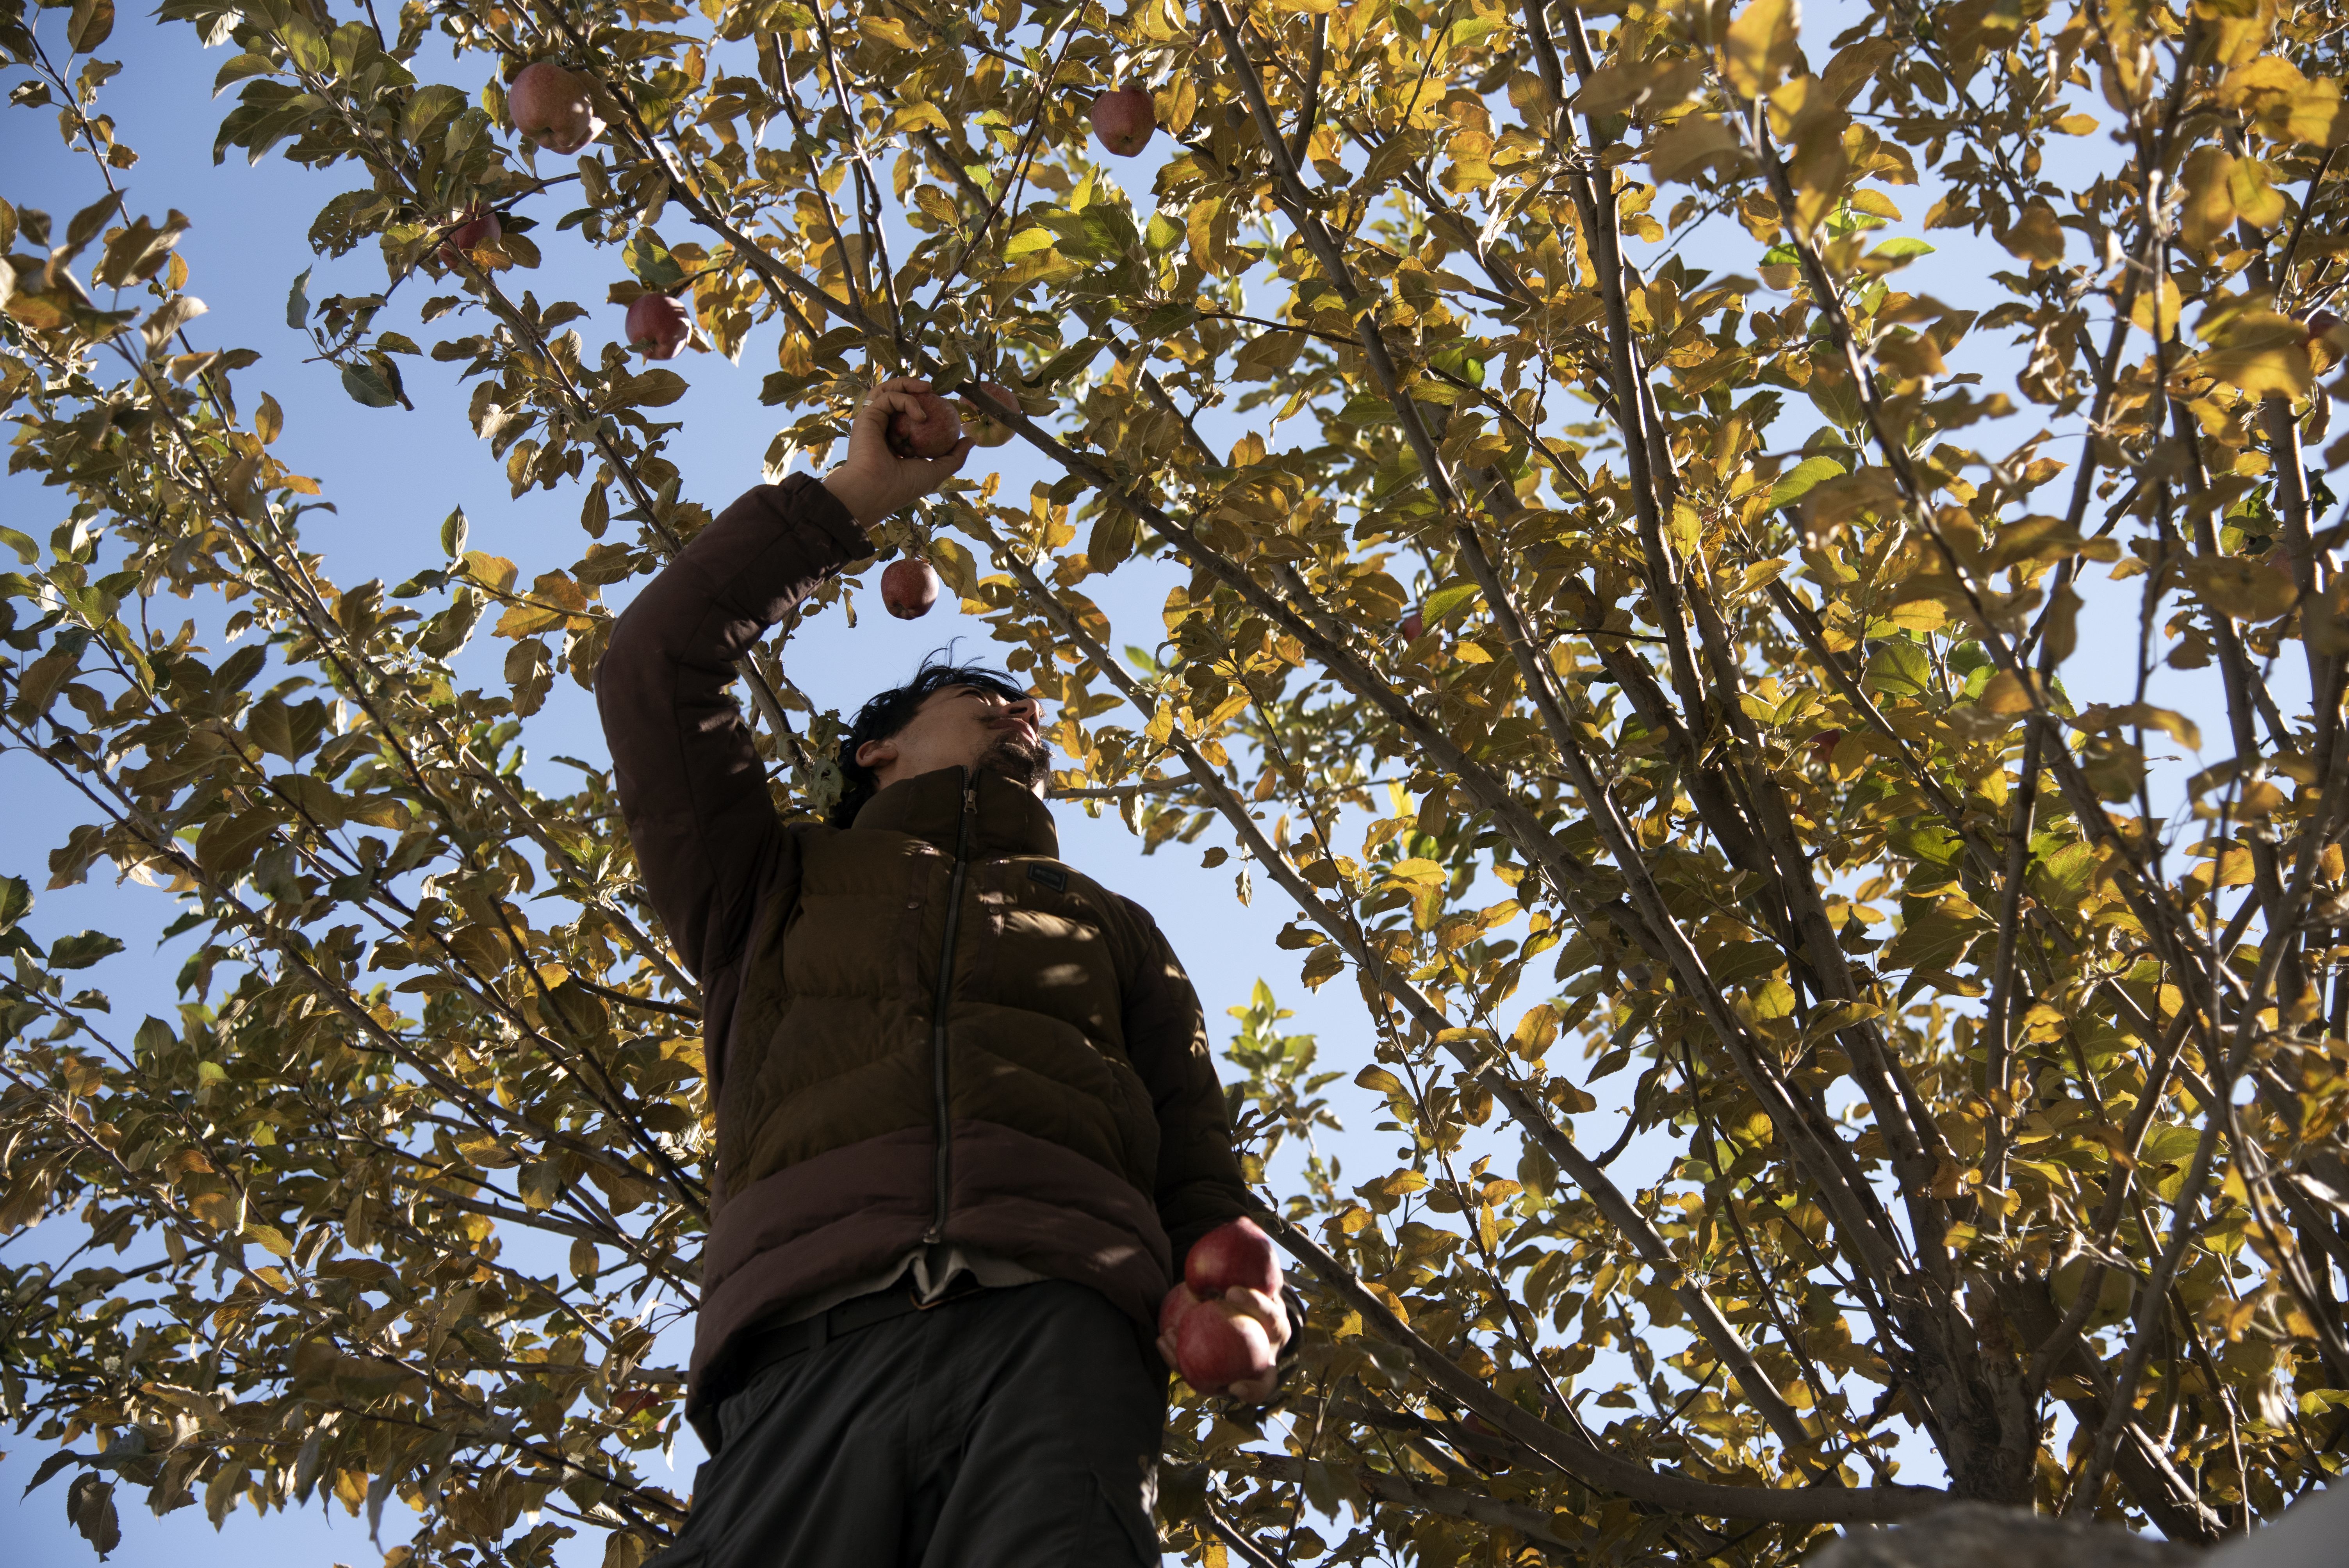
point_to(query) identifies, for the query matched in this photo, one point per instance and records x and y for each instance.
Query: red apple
(1172, 1310)
(551, 106)
(2321, 321)
(1124, 120)
(1412, 627)
(930, 429)
(481, 227)
(986, 429)
(1824, 743)
(659, 325)
(909, 588)
(1235, 1253)
(1216, 1346)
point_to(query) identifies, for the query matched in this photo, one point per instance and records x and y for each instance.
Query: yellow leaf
(493, 571)
(2036, 237)
(2314, 116)
(2241, 588)
(2266, 357)
(2251, 188)
(2141, 312)
(1868, 198)
(2005, 694)
(2208, 213)
(1691, 143)
(1649, 89)
(2176, 726)
(1759, 47)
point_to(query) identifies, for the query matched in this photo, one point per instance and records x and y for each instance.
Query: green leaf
(82, 949)
(16, 901)
(27, 551)
(428, 108)
(1811, 471)
(649, 259)
(297, 302)
(454, 532)
(91, 24)
(367, 387)
(1901, 249)
(1444, 601)
(239, 68)
(1900, 668)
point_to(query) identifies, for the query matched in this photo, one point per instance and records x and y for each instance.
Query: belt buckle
(962, 1285)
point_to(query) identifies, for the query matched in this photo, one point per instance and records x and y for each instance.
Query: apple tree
(1660, 657)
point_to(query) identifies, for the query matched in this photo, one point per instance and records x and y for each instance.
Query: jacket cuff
(803, 498)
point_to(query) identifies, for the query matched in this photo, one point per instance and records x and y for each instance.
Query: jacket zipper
(939, 1002)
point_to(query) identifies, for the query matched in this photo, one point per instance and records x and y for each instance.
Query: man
(967, 1123)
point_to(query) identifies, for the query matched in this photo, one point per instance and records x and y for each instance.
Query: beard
(1024, 762)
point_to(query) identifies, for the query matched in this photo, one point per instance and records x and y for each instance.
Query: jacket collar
(928, 805)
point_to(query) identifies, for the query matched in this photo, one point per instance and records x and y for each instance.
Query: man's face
(965, 726)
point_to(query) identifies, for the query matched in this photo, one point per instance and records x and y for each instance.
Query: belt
(767, 1347)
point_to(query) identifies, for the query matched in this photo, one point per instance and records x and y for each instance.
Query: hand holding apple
(876, 480)
(1223, 1326)
(928, 429)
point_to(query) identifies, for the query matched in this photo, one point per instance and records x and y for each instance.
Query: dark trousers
(1011, 1426)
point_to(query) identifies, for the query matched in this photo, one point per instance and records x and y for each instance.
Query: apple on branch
(552, 108)
(658, 324)
(480, 227)
(986, 428)
(909, 587)
(1126, 119)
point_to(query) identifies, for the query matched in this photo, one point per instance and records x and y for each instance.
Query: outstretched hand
(876, 481)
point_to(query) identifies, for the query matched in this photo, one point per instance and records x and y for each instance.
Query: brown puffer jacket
(921, 1028)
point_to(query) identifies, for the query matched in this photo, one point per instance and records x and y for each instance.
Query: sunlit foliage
(1604, 635)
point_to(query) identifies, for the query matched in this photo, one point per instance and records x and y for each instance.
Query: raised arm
(690, 782)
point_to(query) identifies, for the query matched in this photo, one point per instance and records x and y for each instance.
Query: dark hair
(886, 713)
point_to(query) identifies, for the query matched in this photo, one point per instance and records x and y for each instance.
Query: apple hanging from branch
(1126, 119)
(909, 588)
(986, 428)
(552, 108)
(480, 227)
(659, 325)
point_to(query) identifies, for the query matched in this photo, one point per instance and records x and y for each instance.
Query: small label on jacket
(1053, 877)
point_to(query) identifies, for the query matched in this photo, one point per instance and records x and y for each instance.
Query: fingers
(1265, 1309)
